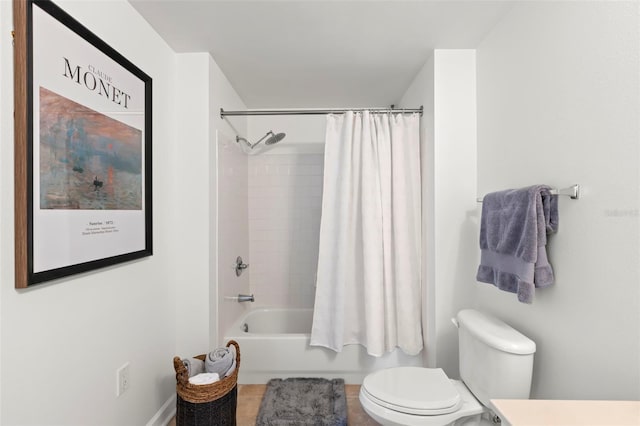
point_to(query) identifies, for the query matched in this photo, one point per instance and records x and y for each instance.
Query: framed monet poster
(82, 149)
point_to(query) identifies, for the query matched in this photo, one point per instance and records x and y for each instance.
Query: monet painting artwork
(88, 161)
(83, 143)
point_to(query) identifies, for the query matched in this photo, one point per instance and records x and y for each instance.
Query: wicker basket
(213, 404)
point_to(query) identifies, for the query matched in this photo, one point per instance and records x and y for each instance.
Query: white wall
(210, 180)
(446, 87)
(80, 330)
(300, 129)
(558, 103)
(62, 342)
(190, 174)
(285, 202)
(454, 193)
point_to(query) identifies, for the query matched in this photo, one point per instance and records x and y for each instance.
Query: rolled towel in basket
(232, 350)
(194, 366)
(204, 378)
(219, 361)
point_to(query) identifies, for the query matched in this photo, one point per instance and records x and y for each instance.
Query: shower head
(272, 139)
(275, 138)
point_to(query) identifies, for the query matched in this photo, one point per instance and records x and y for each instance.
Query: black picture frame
(83, 149)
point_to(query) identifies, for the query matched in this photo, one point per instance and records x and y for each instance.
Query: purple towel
(513, 238)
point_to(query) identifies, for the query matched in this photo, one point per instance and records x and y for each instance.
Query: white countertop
(538, 412)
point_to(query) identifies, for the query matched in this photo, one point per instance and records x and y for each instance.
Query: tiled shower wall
(285, 200)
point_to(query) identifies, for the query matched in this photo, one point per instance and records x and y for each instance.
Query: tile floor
(250, 396)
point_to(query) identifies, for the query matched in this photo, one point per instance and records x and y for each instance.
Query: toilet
(496, 362)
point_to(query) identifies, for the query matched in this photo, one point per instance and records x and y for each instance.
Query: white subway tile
(285, 200)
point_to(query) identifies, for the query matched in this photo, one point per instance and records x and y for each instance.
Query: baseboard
(165, 413)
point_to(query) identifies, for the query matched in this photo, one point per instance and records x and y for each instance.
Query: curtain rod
(224, 113)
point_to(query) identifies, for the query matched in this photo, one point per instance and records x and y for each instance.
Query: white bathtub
(277, 345)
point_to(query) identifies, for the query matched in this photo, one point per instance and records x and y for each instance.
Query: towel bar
(573, 192)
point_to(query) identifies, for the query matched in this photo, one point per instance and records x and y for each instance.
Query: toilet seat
(413, 390)
(470, 409)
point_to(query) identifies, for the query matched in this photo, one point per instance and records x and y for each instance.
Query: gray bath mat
(303, 402)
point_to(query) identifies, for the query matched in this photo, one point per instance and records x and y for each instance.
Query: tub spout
(246, 298)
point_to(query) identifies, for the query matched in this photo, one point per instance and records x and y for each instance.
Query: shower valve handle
(240, 266)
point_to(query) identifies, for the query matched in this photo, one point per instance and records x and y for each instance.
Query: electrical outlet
(122, 379)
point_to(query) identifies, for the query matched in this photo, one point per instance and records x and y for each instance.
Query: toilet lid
(413, 390)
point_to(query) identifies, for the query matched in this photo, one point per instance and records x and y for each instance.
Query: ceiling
(319, 54)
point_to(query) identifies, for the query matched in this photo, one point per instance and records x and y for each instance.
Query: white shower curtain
(368, 283)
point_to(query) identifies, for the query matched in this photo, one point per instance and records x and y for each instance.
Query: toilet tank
(496, 361)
